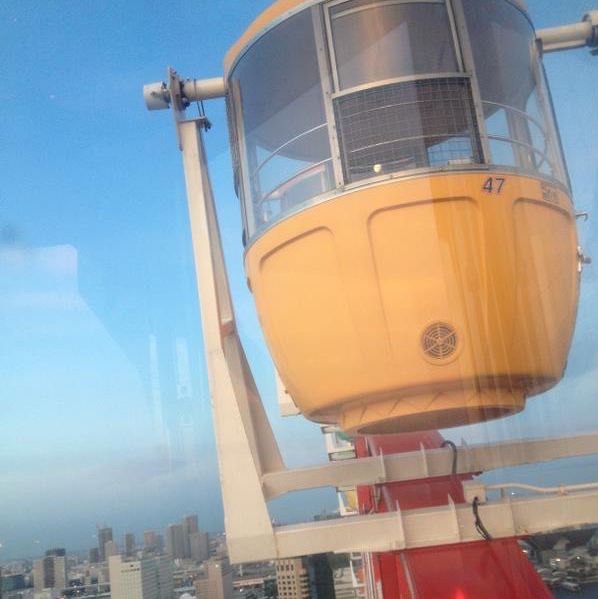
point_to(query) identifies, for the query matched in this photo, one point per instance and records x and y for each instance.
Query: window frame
(249, 203)
(554, 151)
(329, 77)
(465, 68)
(373, 3)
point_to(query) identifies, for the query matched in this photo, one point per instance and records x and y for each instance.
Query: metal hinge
(582, 259)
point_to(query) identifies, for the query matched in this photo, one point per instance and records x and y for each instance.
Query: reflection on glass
(287, 151)
(104, 413)
(400, 125)
(374, 41)
(512, 87)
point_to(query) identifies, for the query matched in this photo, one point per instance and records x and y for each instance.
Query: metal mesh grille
(407, 125)
(439, 341)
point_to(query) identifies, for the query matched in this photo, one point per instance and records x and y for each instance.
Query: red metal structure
(489, 569)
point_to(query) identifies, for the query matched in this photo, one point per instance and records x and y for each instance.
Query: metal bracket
(582, 259)
(178, 94)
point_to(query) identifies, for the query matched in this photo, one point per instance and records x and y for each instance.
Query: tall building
(200, 546)
(104, 535)
(175, 542)
(110, 549)
(94, 555)
(11, 582)
(151, 541)
(344, 585)
(49, 572)
(292, 579)
(164, 572)
(190, 526)
(216, 582)
(321, 580)
(129, 544)
(305, 578)
(148, 578)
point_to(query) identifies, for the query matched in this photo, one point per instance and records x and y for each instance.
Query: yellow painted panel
(548, 277)
(310, 318)
(428, 267)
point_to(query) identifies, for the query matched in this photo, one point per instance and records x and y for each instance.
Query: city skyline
(119, 537)
(557, 558)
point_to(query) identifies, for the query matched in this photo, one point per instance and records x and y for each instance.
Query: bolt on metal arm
(160, 95)
(569, 37)
(178, 94)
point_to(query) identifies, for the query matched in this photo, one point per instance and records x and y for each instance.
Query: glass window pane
(497, 123)
(514, 95)
(276, 168)
(288, 158)
(374, 41)
(503, 152)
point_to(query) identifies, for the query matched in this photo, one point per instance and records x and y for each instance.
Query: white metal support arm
(569, 37)
(246, 445)
(158, 95)
(429, 463)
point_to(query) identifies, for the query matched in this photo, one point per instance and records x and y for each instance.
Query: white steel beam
(569, 37)
(433, 527)
(159, 95)
(196, 90)
(246, 445)
(428, 464)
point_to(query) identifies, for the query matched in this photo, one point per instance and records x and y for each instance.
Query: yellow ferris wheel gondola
(411, 239)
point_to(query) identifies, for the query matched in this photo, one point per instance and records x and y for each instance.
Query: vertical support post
(458, 14)
(328, 90)
(246, 445)
(424, 460)
(400, 543)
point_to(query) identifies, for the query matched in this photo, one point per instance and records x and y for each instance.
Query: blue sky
(103, 400)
